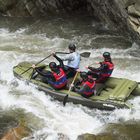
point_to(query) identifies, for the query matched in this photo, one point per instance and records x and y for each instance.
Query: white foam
(71, 120)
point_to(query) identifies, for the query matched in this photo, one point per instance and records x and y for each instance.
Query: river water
(32, 40)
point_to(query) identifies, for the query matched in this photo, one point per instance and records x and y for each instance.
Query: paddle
(84, 54)
(36, 64)
(66, 97)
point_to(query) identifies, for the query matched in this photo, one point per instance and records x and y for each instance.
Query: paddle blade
(85, 54)
(65, 100)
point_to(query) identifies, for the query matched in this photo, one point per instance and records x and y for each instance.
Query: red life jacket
(91, 86)
(60, 78)
(108, 72)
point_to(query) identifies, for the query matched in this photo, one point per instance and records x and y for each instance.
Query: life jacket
(60, 78)
(91, 85)
(108, 72)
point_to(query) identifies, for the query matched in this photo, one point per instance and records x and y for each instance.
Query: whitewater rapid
(49, 117)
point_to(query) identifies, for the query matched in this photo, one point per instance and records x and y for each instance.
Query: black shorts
(70, 72)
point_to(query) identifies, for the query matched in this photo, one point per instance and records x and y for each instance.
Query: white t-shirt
(73, 60)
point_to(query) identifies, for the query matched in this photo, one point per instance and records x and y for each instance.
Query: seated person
(73, 61)
(85, 86)
(104, 71)
(56, 77)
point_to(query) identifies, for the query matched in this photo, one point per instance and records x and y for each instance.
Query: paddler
(86, 86)
(56, 77)
(73, 61)
(104, 71)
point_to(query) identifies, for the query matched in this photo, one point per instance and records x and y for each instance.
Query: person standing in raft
(86, 86)
(73, 61)
(56, 77)
(104, 71)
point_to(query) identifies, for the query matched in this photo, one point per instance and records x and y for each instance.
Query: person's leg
(71, 72)
(53, 86)
(86, 96)
(101, 79)
(93, 74)
(44, 80)
(35, 73)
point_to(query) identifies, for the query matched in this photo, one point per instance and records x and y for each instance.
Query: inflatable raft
(114, 93)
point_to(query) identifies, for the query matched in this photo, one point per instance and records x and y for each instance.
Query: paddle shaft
(73, 81)
(36, 64)
(66, 97)
(84, 54)
(62, 53)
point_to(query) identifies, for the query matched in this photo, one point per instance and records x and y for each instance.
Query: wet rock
(120, 15)
(95, 137)
(125, 130)
(128, 2)
(32, 8)
(133, 11)
(62, 137)
(115, 14)
(121, 131)
(16, 133)
(6, 122)
(138, 30)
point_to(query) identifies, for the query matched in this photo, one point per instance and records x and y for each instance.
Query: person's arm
(46, 74)
(60, 61)
(78, 83)
(83, 89)
(93, 69)
(68, 57)
(40, 67)
(103, 67)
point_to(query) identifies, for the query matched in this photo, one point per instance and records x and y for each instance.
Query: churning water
(32, 40)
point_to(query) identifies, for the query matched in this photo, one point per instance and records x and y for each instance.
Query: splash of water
(71, 120)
